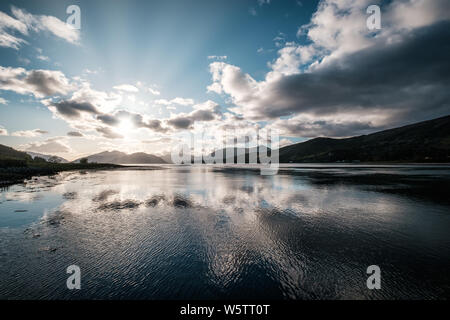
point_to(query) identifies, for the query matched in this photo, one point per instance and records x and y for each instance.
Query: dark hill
(10, 153)
(427, 141)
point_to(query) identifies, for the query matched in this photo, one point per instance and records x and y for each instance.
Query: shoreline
(16, 175)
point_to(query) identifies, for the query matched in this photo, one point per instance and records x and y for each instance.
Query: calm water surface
(203, 232)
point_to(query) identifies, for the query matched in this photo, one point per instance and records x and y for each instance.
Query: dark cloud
(323, 128)
(46, 82)
(209, 111)
(155, 125)
(73, 109)
(37, 82)
(203, 115)
(410, 78)
(75, 134)
(181, 122)
(108, 119)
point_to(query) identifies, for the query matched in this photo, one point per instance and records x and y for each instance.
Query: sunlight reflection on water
(208, 232)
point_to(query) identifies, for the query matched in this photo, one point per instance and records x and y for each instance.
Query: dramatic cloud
(24, 22)
(350, 80)
(40, 83)
(29, 133)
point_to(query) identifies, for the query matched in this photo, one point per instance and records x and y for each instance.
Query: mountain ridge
(47, 157)
(118, 157)
(424, 141)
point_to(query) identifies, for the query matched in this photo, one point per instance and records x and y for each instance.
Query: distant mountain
(49, 158)
(427, 141)
(117, 157)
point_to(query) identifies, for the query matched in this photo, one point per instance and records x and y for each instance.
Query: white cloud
(126, 87)
(88, 71)
(217, 57)
(153, 91)
(230, 79)
(3, 101)
(59, 29)
(24, 22)
(47, 23)
(29, 133)
(3, 132)
(418, 13)
(43, 58)
(180, 101)
(8, 24)
(53, 145)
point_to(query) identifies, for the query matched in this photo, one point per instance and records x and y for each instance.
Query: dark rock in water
(181, 202)
(120, 205)
(20, 210)
(154, 201)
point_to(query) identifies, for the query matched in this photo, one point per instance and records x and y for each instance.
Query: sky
(138, 74)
